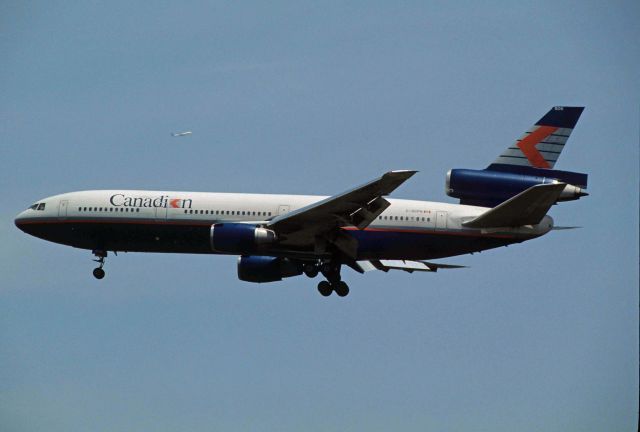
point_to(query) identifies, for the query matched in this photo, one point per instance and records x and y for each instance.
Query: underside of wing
(318, 223)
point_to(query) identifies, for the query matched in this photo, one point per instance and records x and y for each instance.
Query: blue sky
(306, 97)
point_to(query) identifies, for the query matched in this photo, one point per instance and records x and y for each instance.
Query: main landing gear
(326, 288)
(333, 283)
(98, 272)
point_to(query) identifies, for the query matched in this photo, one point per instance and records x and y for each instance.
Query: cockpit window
(37, 206)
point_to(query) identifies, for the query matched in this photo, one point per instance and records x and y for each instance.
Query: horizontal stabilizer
(526, 208)
(405, 265)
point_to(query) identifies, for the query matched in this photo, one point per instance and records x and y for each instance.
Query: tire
(325, 288)
(98, 273)
(342, 289)
(311, 271)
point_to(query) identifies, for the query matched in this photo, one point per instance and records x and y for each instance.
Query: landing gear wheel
(341, 288)
(310, 270)
(98, 273)
(100, 255)
(325, 288)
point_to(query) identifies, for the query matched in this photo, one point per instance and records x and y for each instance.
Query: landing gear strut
(98, 272)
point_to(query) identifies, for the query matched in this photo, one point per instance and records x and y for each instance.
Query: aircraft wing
(526, 208)
(405, 265)
(318, 223)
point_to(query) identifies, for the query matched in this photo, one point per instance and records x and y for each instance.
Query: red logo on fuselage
(122, 200)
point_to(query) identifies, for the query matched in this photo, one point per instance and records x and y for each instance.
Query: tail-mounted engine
(498, 183)
(236, 238)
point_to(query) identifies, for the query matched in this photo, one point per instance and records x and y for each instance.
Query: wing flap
(404, 265)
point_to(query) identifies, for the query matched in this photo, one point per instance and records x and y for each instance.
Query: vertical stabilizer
(541, 145)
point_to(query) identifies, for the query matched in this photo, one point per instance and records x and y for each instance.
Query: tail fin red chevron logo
(540, 146)
(528, 146)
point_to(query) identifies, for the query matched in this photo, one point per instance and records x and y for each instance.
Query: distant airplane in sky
(279, 236)
(179, 134)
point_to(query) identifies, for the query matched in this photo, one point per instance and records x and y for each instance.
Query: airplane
(180, 134)
(281, 236)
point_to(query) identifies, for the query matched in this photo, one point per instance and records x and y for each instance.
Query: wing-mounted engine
(496, 184)
(266, 268)
(237, 238)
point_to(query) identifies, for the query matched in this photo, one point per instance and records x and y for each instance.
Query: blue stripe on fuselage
(413, 243)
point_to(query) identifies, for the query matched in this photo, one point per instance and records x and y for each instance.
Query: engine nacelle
(490, 188)
(266, 269)
(240, 238)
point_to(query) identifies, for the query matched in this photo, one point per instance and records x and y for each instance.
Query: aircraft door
(62, 209)
(441, 220)
(282, 209)
(161, 213)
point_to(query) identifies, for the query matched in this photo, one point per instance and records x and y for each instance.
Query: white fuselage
(86, 219)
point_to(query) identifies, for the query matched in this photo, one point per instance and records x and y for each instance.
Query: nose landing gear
(98, 272)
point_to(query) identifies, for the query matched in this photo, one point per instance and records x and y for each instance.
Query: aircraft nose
(19, 220)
